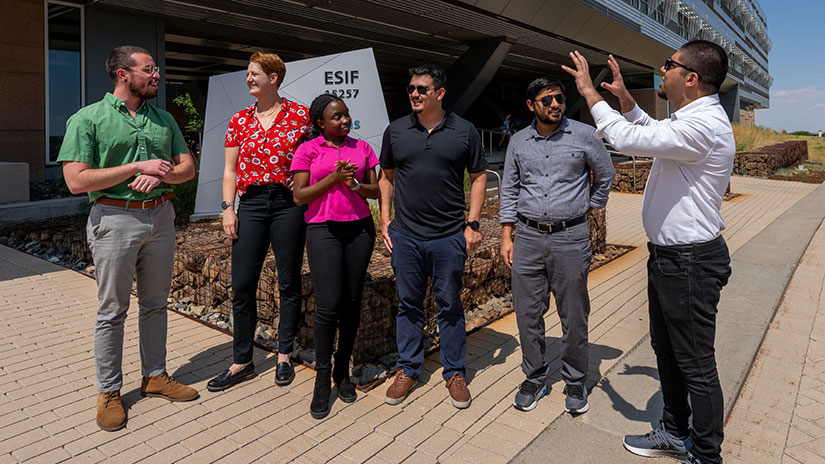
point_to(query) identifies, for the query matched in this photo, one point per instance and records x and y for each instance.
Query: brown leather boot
(164, 386)
(110, 413)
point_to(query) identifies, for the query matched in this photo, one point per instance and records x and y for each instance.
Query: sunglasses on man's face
(670, 64)
(547, 100)
(422, 89)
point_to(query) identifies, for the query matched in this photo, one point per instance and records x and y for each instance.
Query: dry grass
(749, 138)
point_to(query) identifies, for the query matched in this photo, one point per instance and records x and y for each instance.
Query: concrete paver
(46, 338)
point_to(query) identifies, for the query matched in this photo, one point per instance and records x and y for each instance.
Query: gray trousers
(557, 262)
(124, 244)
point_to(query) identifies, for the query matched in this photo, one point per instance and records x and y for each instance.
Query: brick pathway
(780, 414)
(48, 394)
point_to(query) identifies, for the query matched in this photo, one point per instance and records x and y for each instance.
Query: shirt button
(548, 156)
(139, 129)
(141, 148)
(545, 194)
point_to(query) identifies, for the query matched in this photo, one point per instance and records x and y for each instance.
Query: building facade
(54, 51)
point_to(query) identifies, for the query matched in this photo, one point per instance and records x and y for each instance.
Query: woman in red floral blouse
(260, 142)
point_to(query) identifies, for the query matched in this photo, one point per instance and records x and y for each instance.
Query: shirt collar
(534, 133)
(119, 104)
(448, 121)
(285, 106)
(349, 142)
(695, 105)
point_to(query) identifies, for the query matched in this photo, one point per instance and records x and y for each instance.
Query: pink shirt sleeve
(302, 160)
(372, 160)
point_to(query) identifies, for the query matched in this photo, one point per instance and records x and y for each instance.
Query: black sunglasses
(670, 63)
(547, 100)
(422, 89)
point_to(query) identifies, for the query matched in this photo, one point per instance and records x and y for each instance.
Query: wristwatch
(357, 185)
(226, 204)
(472, 225)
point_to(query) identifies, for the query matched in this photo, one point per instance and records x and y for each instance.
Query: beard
(144, 93)
(547, 119)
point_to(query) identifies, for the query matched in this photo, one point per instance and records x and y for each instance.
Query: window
(684, 26)
(64, 71)
(659, 13)
(641, 5)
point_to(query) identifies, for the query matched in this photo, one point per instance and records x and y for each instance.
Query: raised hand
(617, 87)
(581, 74)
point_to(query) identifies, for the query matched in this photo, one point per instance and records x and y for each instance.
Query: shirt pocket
(532, 168)
(571, 165)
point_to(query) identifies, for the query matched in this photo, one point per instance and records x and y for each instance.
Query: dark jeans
(442, 260)
(684, 284)
(338, 254)
(267, 215)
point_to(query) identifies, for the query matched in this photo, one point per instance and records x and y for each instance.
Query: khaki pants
(126, 244)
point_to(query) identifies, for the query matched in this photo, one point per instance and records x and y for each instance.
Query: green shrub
(184, 200)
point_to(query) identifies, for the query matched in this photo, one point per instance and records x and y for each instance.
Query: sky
(797, 65)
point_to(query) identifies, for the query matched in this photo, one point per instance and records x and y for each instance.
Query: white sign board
(351, 75)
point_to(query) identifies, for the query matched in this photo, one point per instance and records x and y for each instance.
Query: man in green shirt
(125, 152)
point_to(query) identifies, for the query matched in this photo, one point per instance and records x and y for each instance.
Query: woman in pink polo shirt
(334, 174)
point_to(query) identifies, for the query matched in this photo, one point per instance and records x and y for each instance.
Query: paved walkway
(48, 394)
(780, 414)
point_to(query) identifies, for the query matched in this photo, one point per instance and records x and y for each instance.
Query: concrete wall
(104, 31)
(746, 117)
(22, 86)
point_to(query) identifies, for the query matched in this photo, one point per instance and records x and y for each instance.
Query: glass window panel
(65, 93)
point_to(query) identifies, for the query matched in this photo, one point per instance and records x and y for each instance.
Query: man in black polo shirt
(423, 159)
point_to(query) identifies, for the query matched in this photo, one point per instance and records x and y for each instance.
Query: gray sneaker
(529, 394)
(658, 443)
(576, 401)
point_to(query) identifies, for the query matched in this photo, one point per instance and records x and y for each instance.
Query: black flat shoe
(346, 390)
(284, 374)
(226, 380)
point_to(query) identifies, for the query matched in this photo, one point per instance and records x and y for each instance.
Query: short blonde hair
(270, 63)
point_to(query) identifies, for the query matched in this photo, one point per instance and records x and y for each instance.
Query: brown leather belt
(136, 204)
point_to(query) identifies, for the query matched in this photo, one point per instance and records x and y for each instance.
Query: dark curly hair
(316, 110)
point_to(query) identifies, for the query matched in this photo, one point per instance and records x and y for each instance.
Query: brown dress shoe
(110, 413)
(399, 389)
(459, 393)
(164, 386)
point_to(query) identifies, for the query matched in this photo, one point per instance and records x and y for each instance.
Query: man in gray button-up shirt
(547, 189)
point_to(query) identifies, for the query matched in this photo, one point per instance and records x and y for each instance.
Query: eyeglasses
(422, 89)
(547, 100)
(149, 69)
(670, 63)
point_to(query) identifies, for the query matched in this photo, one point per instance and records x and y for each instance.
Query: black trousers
(338, 254)
(267, 215)
(684, 285)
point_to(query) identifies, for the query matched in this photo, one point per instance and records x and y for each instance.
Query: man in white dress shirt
(689, 262)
